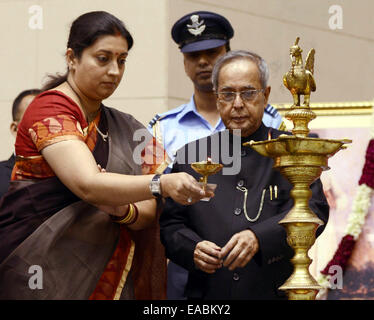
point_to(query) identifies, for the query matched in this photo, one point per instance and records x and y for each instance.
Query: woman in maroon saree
(92, 232)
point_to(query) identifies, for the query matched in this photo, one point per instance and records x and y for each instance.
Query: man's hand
(240, 249)
(206, 256)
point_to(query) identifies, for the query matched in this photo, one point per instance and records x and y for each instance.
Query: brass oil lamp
(206, 168)
(301, 159)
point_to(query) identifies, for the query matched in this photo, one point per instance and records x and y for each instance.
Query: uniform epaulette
(166, 114)
(271, 111)
(154, 124)
(154, 120)
(169, 113)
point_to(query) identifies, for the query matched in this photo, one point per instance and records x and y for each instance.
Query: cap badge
(196, 28)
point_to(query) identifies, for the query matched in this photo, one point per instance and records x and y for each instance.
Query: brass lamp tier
(301, 159)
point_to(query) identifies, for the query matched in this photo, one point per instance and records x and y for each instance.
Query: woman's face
(99, 70)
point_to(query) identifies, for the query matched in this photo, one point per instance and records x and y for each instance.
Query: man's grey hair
(241, 54)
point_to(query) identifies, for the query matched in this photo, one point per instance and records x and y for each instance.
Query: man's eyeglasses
(245, 95)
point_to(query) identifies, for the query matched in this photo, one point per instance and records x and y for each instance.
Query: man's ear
(267, 94)
(218, 104)
(14, 128)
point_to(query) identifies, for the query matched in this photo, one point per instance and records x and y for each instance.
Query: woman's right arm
(74, 164)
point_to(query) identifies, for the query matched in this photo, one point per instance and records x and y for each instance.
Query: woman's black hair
(84, 31)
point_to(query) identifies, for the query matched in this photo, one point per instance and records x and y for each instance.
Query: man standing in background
(21, 102)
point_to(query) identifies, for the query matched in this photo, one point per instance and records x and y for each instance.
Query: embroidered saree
(81, 252)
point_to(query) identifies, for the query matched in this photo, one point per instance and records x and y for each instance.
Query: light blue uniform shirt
(184, 124)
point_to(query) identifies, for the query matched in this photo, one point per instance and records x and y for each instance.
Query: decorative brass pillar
(301, 160)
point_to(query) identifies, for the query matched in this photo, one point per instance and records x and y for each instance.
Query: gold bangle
(135, 216)
(128, 216)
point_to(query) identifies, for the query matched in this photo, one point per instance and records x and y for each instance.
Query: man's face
(245, 111)
(199, 66)
(23, 106)
(24, 103)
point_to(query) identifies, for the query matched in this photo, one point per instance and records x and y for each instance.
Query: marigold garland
(356, 219)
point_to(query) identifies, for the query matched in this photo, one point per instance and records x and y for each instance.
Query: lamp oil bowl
(301, 159)
(206, 168)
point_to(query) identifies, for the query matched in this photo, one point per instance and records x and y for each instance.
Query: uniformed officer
(233, 245)
(202, 37)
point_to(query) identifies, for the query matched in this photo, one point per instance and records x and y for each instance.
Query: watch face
(155, 187)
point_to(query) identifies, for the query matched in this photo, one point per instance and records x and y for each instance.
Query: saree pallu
(78, 248)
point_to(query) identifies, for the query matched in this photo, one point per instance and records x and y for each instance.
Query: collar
(190, 108)
(260, 134)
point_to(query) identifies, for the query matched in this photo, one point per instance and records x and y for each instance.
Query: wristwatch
(155, 186)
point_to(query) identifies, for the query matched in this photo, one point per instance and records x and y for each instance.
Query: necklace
(90, 117)
(103, 136)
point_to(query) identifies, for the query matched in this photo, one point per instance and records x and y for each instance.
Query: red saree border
(112, 280)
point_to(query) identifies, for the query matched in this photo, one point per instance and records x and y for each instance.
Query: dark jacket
(182, 227)
(6, 168)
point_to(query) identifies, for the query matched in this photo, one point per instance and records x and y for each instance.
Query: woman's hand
(182, 188)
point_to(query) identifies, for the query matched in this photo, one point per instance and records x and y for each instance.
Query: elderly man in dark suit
(21, 102)
(233, 246)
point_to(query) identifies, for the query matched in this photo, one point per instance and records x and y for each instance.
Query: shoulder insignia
(153, 121)
(271, 110)
(173, 111)
(154, 124)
